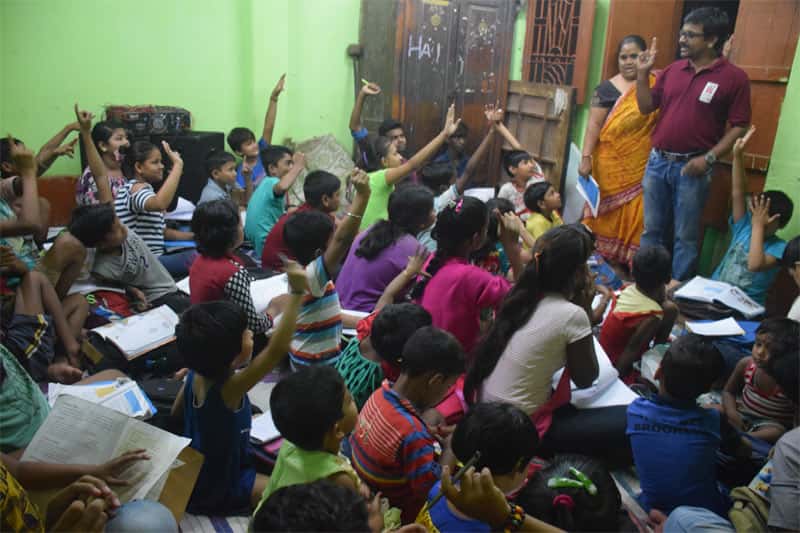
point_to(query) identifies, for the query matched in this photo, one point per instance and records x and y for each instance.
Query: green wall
(784, 168)
(218, 58)
(221, 58)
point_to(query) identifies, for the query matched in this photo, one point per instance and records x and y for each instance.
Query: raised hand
(493, 113)
(299, 159)
(741, 142)
(450, 123)
(360, 181)
(759, 211)
(477, 496)
(247, 170)
(67, 149)
(276, 92)
(22, 156)
(174, 156)
(417, 261)
(510, 226)
(647, 58)
(296, 276)
(84, 118)
(371, 89)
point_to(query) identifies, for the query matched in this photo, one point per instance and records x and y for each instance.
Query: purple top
(361, 281)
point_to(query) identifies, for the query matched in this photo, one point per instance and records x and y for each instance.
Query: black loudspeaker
(194, 147)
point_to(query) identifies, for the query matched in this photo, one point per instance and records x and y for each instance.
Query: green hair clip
(582, 481)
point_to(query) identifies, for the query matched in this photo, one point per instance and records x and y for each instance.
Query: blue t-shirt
(223, 437)
(675, 450)
(258, 170)
(733, 268)
(444, 157)
(441, 518)
(263, 212)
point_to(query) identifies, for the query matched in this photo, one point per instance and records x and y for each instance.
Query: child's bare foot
(63, 372)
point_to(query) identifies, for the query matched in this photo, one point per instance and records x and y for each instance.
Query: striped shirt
(318, 334)
(394, 452)
(773, 405)
(149, 225)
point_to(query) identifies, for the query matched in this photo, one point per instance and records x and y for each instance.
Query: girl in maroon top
(217, 274)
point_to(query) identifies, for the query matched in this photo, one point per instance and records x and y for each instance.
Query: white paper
(261, 290)
(141, 333)
(607, 390)
(484, 194)
(718, 328)
(736, 298)
(79, 432)
(263, 428)
(182, 212)
(90, 285)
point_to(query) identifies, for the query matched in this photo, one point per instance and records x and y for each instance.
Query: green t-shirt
(24, 405)
(378, 206)
(296, 466)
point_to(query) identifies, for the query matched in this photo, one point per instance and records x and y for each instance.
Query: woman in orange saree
(615, 151)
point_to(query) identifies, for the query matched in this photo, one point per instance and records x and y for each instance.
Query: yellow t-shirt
(538, 224)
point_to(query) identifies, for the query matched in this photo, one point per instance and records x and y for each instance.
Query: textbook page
(261, 290)
(162, 447)
(717, 328)
(80, 432)
(139, 334)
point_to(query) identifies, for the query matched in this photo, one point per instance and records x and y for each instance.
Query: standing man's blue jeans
(673, 202)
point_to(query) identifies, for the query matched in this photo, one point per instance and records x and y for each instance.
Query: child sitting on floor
(523, 170)
(321, 190)
(393, 169)
(137, 203)
(574, 493)
(311, 239)
(752, 400)
(217, 273)
(314, 411)
(243, 142)
(751, 261)
(675, 441)
(393, 450)
(641, 314)
(542, 200)
(457, 290)
(124, 258)
(506, 439)
(221, 169)
(268, 201)
(214, 340)
(366, 362)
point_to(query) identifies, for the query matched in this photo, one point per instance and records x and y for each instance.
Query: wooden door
(540, 116)
(653, 18)
(764, 45)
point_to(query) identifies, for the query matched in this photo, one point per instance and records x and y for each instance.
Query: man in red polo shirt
(696, 96)
(321, 190)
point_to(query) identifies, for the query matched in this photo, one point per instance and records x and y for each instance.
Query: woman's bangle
(516, 517)
(349, 214)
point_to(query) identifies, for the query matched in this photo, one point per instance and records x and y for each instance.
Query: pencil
(474, 459)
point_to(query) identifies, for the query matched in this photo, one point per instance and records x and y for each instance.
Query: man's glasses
(690, 34)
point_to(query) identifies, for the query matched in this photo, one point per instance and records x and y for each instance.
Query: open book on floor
(139, 334)
(123, 395)
(701, 289)
(262, 290)
(77, 431)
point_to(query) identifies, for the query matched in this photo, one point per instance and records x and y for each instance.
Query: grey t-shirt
(212, 191)
(784, 490)
(135, 266)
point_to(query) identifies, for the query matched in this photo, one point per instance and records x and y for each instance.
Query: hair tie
(565, 500)
(459, 204)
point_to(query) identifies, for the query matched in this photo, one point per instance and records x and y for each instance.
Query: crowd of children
(472, 308)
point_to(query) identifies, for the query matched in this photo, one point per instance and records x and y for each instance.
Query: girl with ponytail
(379, 254)
(457, 290)
(543, 326)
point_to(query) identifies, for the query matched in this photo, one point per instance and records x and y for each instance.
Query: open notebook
(262, 290)
(710, 291)
(142, 333)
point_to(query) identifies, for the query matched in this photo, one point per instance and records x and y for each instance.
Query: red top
(209, 275)
(275, 245)
(695, 106)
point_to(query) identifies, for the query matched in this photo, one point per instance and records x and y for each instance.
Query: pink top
(455, 295)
